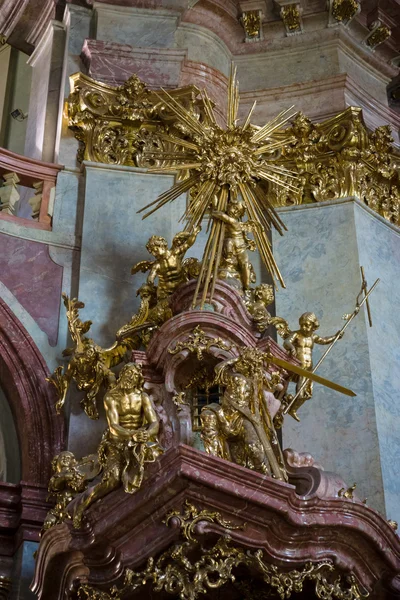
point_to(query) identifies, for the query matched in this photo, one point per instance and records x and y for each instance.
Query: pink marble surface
(27, 270)
(23, 372)
(215, 82)
(124, 530)
(114, 63)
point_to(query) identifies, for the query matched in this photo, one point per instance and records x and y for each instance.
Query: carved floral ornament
(337, 158)
(189, 569)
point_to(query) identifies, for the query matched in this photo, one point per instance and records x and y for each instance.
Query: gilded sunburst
(221, 165)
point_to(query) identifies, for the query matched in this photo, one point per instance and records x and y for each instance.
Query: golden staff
(364, 289)
(349, 319)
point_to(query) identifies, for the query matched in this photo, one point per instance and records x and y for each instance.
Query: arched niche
(10, 456)
(23, 373)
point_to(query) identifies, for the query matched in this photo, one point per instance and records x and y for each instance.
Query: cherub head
(157, 246)
(236, 210)
(89, 351)
(131, 376)
(63, 461)
(265, 293)
(308, 322)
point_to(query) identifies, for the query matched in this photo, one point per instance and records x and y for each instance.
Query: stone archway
(41, 432)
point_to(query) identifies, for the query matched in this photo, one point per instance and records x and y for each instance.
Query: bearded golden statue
(129, 442)
(240, 429)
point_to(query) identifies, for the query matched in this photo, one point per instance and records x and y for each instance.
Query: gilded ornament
(291, 17)
(178, 572)
(224, 163)
(300, 344)
(251, 21)
(170, 269)
(119, 125)
(199, 343)
(343, 11)
(129, 442)
(240, 428)
(348, 494)
(70, 478)
(257, 300)
(378, 35)
(393, 524)
(179, 399)
(235, 262)
(333, 159)
(290, 403)
(89, 365)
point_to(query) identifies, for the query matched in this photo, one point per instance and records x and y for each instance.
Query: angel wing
(282, 326)
(76, 327)
(143, 266)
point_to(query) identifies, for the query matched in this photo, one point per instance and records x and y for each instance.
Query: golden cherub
(169, 267)
(256, 301)
(236, 242)
(300, 344)
(89, 365)
(70, 477)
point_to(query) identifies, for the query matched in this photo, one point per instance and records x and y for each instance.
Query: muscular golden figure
(130, 440)
(300, 344)
(236, 243)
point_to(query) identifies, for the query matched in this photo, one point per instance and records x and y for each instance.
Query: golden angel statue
(129, 442)
(70, 477)
(257, 300)
(89, 365)
(168, 268)
(300, 344)
(236, 244)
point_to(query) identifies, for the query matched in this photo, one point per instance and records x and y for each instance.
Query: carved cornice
(290, 529)
(337, 158)
(175, 570)
(340, 158)
(119, 125)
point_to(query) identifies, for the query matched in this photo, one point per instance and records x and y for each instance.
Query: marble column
(320, 258)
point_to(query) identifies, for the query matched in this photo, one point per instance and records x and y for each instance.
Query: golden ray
(247, 121)
(222, 163)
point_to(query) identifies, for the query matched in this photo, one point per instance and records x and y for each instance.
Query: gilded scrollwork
(291, 17)
(341, 158)
(337, 158)
(189, 569)
(199, 343)
(251, 21)
(125, 124)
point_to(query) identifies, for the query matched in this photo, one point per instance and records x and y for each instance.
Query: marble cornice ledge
(314, 40)
(321, 99)
(33, 232)
(124, 531)
(23, 508)
(114, 63)
(337, 202)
